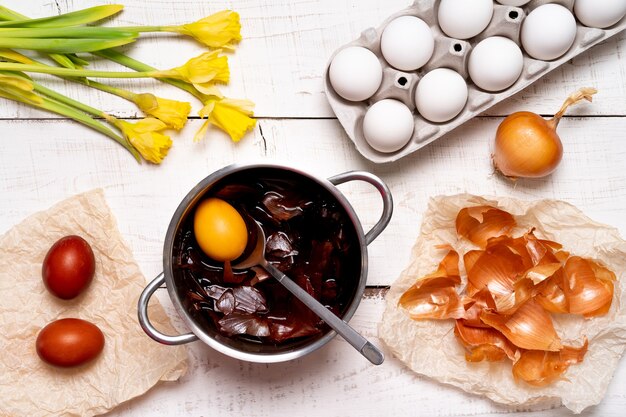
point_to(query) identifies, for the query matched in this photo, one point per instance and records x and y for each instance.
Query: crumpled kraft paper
(430, 348)
(131, 362)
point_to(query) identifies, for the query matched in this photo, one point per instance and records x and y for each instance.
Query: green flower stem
(120, 92)
(68, 101)
(68, 72)
(125, 94)
(71, 105)
(79, 31)
(118, 57)
(62, 109)
(8, 14)
(62, 46)
(63, 60)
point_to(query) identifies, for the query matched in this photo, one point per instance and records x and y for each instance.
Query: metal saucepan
(237, 347)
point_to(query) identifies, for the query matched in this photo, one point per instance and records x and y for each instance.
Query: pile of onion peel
(514, 285)
(528, 146)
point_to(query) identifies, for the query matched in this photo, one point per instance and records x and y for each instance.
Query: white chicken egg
(464, 19)
(600, 13)
(516, 3)
(355, 73)
(407, 43)
(495, 63)
(548, 32)
(388, 125)
(441, 95)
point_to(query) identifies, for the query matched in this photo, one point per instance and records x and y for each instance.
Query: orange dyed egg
(220, 230)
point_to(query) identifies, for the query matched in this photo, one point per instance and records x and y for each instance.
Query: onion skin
(513, 286)
(434, 296)
(478, 224)
(484, 343)
(527, 146)
(539, 368)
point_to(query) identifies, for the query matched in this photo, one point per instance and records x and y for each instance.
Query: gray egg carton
(453, 54)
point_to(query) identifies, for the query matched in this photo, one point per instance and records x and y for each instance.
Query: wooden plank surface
(279, 65)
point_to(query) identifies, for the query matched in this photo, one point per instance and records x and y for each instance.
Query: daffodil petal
(149, 124)
(201, 132)
(209, 89)
(207, 109)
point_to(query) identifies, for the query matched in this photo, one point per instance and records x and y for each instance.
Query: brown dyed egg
(69, 267)
(69, 342)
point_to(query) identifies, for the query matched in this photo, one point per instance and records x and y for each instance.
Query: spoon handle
(367, 349)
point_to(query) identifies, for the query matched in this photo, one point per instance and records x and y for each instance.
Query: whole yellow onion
(527, 145)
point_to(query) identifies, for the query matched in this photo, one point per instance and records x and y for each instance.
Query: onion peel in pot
(480, 223)
(434, 296)
(540, 368)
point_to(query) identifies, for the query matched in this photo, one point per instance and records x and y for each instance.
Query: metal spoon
(257, 257)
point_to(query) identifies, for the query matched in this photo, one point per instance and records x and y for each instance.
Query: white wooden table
(279, 65)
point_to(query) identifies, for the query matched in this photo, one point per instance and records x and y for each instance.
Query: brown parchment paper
(131, 362)
(429, 347)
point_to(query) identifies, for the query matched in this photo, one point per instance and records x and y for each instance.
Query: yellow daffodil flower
(220, 30)
(171, 112)
(231, 115)
(202, 71)
(145, 136)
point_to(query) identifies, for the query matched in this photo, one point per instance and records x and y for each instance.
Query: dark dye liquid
(309, 237)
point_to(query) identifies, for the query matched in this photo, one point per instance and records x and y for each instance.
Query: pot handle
(144, 322)
(384, 191)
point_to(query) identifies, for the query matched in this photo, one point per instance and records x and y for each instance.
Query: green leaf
(90, 32)
(8, 14)
(64, 61)
(80, 17)
(63, 46)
